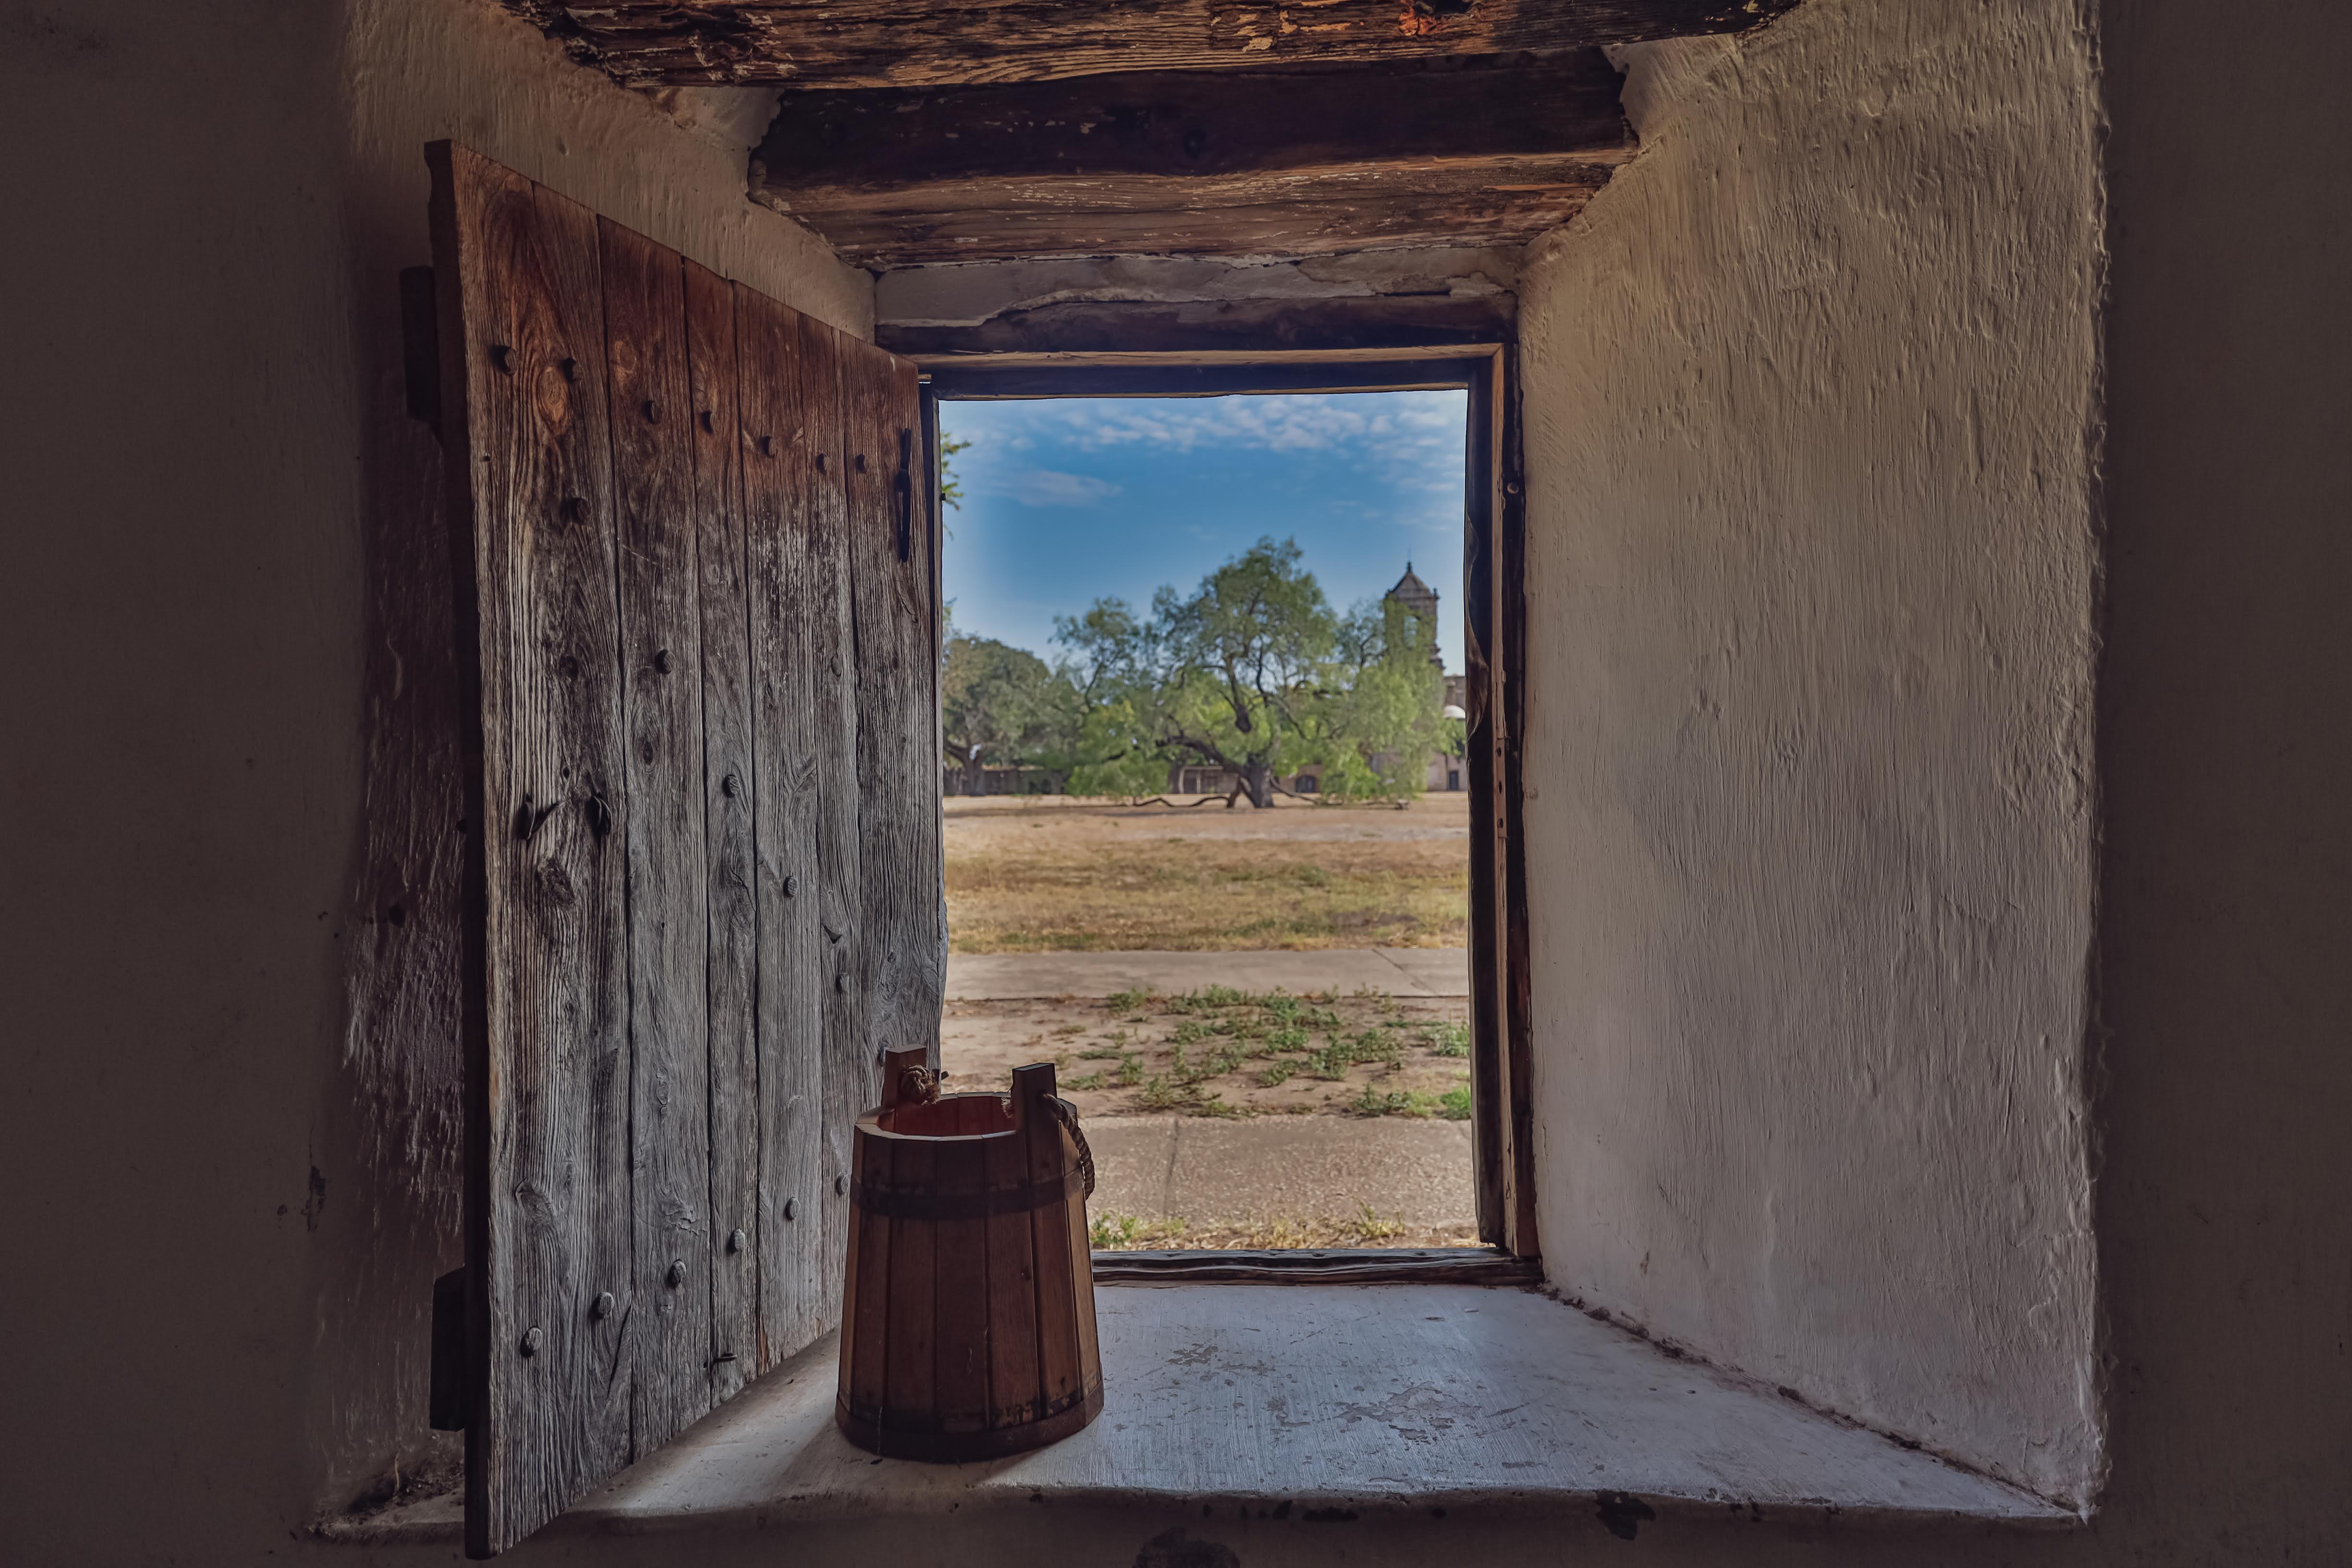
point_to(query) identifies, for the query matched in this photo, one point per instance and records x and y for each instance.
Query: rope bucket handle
(1067, 1115)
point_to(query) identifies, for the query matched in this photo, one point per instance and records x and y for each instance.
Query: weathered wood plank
(730, 850)
(911, 1382)
(1060, 1377)
(551, 1220)
(1503, 201)
(1011, 1294)
(866, 1299)
(1217, 325)
(668, 914)
(1308, 1266)
(1196, 125)
(849, 1070)
(1482, 663)
(796, 1286)
(900, 969)
(962, 1271)
(1517, 961)
(1201, 372)
(882, 43)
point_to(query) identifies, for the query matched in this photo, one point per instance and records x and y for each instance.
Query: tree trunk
(1257, 778)
(975, 777)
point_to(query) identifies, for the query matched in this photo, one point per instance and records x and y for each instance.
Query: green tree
(950, 488)
(1385, 709)
(998, 704)
(1254, 673)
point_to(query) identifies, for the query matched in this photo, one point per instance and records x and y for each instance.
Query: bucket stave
(967, 1318)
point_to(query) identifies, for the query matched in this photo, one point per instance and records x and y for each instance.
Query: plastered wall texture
(228, 775)
(1812, 400)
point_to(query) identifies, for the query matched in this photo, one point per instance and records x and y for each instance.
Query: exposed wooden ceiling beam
(1197, 123)
(1322, 212)
(892, 43)
(1295, 162)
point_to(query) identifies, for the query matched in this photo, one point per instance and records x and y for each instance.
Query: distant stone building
(1445, 773)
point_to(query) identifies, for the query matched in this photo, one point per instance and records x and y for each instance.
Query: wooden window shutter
(697, 615)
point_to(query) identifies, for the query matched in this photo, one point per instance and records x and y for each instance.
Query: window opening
(1207, 838)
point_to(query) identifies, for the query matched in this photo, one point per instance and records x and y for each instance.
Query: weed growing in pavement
(1181, 1050)
(1129, 1073)
(1119, 1232)
(1158, 1094)
(1110, 1232)
(1454, 1105)
(1446, 1039)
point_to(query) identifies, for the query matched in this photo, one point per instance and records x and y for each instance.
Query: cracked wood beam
(889, 42)
(1321, 212)
(1297, 162)
(1197, 124)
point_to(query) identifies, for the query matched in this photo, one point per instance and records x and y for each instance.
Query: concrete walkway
(1023, 976)
(1296, 1167)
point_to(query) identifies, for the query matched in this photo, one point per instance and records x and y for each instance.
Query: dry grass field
(1045, 874)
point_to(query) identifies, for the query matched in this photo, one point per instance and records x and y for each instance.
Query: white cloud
(1044, 487)
(1408, 438)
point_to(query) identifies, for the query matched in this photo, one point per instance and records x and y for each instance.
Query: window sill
(1316, 1401)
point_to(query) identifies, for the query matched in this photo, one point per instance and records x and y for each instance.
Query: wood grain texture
(796, 1290)
(1194, 125)
(878, 42)
(1318, 1266)
(849, 1075)
(1292, 161)
(1060, 1376)
(664, 534)
(1517, 959)
(731, 848)
(1259, 327)
(1481, 632)
(983, 1347)
(864, 1379)
(1307, 211)
(960, 1165)
(911, 1382)
(1012, 1295)
(660, 612)
(549, 1082)
(901, 970)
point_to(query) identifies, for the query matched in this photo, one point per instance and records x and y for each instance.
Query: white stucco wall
(1813, 398)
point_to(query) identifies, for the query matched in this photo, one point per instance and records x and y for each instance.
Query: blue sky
(1071, 499)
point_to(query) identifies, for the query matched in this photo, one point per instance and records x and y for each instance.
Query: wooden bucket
(968, 1312)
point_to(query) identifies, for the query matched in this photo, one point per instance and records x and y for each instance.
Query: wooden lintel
(1318, 212)
(1195, 125)
(882, 43)
(1250, 326)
